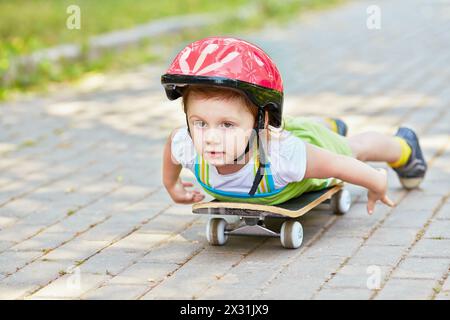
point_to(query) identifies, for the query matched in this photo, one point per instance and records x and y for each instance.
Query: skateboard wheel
(341, 202)
(215, 231)
(291, 234)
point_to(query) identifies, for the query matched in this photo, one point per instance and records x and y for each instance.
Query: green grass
(27, 25)
(41, 24)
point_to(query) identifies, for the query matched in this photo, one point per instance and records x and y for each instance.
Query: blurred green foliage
(30, 25)
(27, 25)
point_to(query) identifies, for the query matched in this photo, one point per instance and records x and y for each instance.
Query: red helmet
(228, 62)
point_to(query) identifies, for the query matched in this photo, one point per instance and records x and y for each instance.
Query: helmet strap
(262, 155)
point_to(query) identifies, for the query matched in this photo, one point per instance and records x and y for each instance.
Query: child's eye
(227, 125)
(199, 124)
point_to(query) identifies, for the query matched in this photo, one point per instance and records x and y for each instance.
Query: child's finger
(187, 184)
(196, 198)
(388, 201)
(199, 194)
(370, 206)
(199, 198)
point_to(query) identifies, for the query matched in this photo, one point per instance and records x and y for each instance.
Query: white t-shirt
(287, 156)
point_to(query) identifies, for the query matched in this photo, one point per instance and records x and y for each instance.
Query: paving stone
(10, 260)
(31, 277)
(144, 273)
(438, 229)
(196, 232)
(315, 218)
(110, 230)
(407, 289)
(357, 228)
(19, 232)
(172, 252)
(116, 292)
(306, 274)
(38, 219)
(23, 207)
(76, 250)
(7, 221)
(76, 223)
(358, 211)
(343, 294)
(16, 291)
(443, 295)
(393, 237)
(358, 276)
(407, 219)
(413, 203)
(70, 285)
(431, 248)
(253, 273)
(108, 261)
(4, 245)
(237, 245)
(137, 242)
(422, 268)
(328, 245)
(444, 212)
(168, 223)
(378, 255)
(42, 242)
(446, 285)
(435, 187)
(194, 277)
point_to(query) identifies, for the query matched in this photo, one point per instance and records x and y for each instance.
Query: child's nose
(213, 136)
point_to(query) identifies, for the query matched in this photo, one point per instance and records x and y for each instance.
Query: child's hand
(180, 194)
(374, 196)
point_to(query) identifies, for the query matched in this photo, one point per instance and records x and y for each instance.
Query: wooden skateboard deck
(292, 208)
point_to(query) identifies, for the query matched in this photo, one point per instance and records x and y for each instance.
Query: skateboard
(253, 217)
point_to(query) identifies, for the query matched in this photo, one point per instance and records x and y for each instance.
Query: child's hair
(225, 94)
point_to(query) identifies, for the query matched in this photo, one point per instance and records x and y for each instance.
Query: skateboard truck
(251, 227)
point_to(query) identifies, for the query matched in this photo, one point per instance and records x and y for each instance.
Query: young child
(241, 148)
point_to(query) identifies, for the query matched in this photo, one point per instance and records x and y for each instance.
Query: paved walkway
(83, 213)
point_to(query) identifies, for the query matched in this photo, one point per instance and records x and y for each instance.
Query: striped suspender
(203, 170)
(265, 186)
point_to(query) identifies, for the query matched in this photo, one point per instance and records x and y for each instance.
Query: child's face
(220, 129)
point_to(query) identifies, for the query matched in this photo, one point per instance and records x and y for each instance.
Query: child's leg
(336, 125)
(375, 146)
(402, 152)
(323, 121)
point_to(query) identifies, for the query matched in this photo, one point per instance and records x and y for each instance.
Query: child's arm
(322, 163)
(171, 178)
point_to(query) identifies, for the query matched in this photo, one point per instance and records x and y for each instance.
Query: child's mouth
(215, 154)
